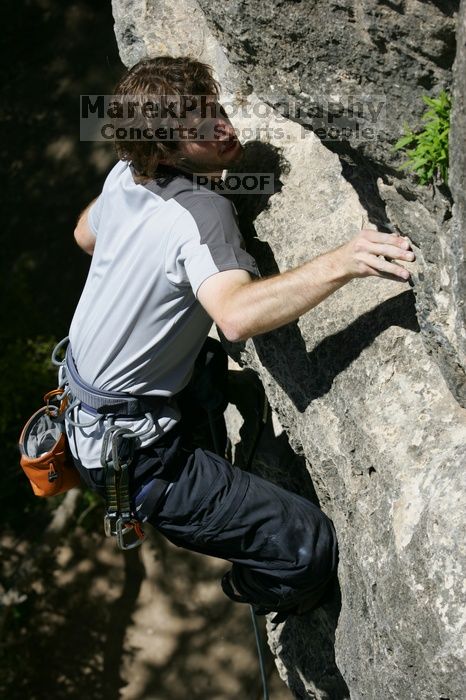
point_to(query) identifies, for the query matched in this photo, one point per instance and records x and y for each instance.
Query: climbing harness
(118, 444)
(118, 447)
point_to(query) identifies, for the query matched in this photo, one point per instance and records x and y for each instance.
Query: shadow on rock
(272, 457)
(315, 673)
(304, 376)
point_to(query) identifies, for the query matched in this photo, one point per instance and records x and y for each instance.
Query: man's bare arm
(243, 308)
(83, 235)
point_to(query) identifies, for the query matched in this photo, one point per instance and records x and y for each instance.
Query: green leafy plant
(427, 149)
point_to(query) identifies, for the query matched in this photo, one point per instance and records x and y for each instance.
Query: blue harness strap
(107, 402)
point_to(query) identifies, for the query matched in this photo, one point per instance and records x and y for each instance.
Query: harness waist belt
(114, 403)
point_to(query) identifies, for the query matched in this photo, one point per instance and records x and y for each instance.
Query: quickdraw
(116, 456)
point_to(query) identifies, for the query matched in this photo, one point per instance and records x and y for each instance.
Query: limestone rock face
(369, 385)
(456, 248)
(315, 51)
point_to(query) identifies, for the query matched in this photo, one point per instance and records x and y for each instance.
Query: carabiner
(123, 528)
(110, 524)
(59, 346)
(109, 456)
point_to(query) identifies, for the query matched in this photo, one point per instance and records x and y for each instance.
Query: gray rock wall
(313, 50)
(370, 384)
(456, 250)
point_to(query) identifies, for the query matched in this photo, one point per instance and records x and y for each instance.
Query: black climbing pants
(282, 547)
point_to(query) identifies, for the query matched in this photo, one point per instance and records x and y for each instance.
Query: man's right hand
(243, 308)
(369, 254)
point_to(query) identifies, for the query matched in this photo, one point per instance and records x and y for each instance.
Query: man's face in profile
(209, 142)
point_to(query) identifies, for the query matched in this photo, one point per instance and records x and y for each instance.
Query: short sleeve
(209, 241)
(94, 213)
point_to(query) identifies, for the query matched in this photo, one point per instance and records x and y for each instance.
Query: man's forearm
(269, 303)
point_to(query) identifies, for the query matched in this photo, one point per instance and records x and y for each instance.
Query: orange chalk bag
(45, 456)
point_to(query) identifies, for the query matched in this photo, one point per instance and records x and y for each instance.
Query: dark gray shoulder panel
(215, 220)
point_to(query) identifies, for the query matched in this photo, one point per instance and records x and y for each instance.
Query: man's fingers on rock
(378, 265)
(393, 251)
(391, 238)
(376, 236)
(393, 268)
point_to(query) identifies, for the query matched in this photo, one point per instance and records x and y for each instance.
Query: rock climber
(168, 261)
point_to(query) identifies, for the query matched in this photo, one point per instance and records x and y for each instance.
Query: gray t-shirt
(138, 326)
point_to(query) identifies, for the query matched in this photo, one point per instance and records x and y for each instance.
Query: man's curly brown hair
(153, 78)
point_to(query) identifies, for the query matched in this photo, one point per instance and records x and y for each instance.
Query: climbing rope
(260, 652)
(257, 634)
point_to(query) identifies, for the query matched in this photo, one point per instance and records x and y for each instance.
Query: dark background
(52, 52)
(67, 602)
